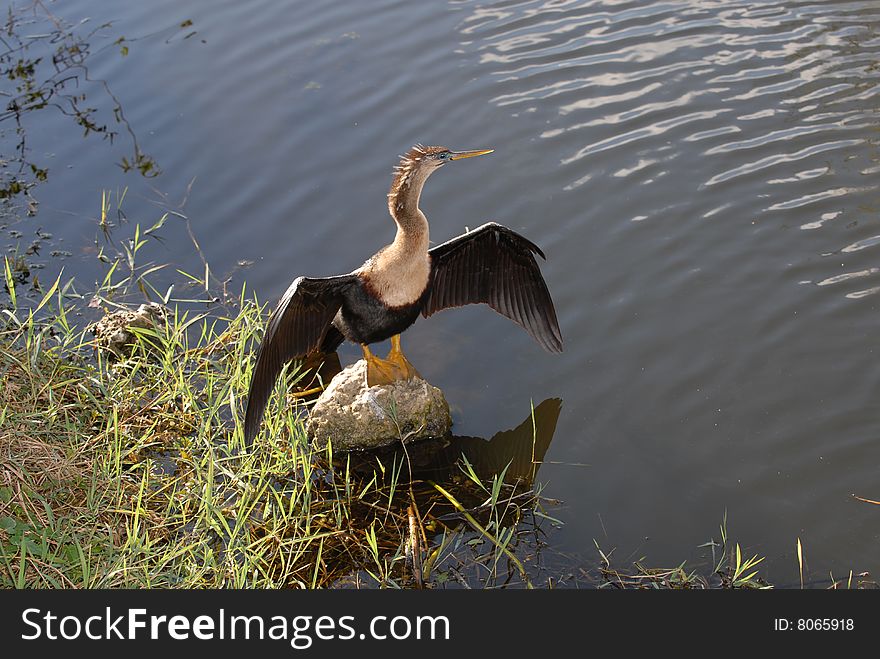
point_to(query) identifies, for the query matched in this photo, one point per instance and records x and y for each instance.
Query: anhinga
(490, 264)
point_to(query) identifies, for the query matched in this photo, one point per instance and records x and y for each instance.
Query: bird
(490, 264)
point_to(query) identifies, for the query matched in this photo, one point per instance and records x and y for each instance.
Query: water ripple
(779, 158)
(836, 279)
(655, 129)
(859, 245)
(855, 295)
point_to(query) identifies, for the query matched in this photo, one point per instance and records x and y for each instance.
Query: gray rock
(114, 334)
(354, 417)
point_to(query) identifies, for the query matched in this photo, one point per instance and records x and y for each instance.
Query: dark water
(703, 177)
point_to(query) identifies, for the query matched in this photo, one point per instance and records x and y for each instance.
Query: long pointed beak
(460, 155)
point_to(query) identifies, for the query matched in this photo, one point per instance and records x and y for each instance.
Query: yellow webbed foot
(397, 357)
(385, 371)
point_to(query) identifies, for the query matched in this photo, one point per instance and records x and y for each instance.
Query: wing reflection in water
(522, 447)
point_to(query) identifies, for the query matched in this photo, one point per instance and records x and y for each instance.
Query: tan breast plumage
(397, 277)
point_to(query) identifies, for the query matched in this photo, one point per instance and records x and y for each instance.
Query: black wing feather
(300, 325)
(494, 265)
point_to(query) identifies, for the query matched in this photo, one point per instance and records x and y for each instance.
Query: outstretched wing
(296, 328)
(496, 266)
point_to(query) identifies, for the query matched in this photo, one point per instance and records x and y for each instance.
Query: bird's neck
(403, 204)
(399, 272)
(412, 232)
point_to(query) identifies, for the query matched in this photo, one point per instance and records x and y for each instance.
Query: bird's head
(430, 158)
(417, 164)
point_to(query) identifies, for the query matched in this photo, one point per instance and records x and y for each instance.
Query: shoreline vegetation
(129, 470)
